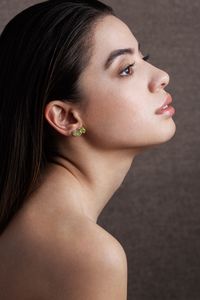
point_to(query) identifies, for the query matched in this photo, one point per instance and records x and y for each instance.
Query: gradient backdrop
(156, 212)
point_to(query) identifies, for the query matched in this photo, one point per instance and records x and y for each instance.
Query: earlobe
(62, 117)
(79, 132)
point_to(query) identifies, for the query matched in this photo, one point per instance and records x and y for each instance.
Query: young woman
(78, 102)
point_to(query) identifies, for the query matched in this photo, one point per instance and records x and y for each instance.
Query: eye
(146, 57)
(127, 71)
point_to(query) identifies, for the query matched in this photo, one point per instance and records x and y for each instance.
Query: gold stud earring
(79, 132)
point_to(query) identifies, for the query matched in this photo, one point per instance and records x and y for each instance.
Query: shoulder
(91, 264)
(77, 260)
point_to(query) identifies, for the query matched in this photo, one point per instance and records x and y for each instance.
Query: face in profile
(122, 93)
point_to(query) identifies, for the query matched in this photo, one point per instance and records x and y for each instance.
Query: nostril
(165, 79)
(159, 80)
(163, 84)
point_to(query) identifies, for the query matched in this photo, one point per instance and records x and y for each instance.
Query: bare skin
(53, 248)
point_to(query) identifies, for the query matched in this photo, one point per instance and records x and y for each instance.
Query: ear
(63, 117)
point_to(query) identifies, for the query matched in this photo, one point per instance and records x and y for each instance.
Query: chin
(168, 133)
(165, 135)
(162, 137)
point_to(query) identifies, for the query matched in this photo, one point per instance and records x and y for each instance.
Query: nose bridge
(159, 79)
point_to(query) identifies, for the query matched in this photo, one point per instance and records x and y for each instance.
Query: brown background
(156, 212)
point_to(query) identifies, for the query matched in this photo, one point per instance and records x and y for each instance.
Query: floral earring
(79, 132)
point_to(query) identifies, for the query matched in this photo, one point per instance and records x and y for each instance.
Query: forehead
(110, 34)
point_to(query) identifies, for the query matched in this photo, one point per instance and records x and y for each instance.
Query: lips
(165, 105)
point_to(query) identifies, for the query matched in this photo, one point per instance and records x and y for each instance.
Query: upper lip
(167, 102)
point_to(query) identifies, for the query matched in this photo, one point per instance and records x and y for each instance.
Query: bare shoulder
(77, 260)
(89, 264)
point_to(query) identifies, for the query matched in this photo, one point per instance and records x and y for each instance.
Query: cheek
(114, 118)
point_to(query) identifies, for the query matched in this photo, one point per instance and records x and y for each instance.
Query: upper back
(77, 260)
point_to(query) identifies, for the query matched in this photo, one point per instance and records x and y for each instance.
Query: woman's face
(121, 98)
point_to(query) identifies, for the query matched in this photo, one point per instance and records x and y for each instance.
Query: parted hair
(43, 51)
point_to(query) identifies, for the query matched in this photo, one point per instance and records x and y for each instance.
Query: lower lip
(170, 111)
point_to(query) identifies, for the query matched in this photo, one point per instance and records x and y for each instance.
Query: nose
(159, 80)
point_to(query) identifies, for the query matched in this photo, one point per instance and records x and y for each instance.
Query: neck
(86, 179)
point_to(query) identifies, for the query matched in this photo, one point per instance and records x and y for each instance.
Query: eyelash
(146, 57)
(124, 70)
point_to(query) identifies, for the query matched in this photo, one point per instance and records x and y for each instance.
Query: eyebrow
(114, 54)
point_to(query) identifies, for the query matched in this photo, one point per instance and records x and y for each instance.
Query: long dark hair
(43, 51)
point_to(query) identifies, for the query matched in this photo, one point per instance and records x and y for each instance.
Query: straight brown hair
(43, 51)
